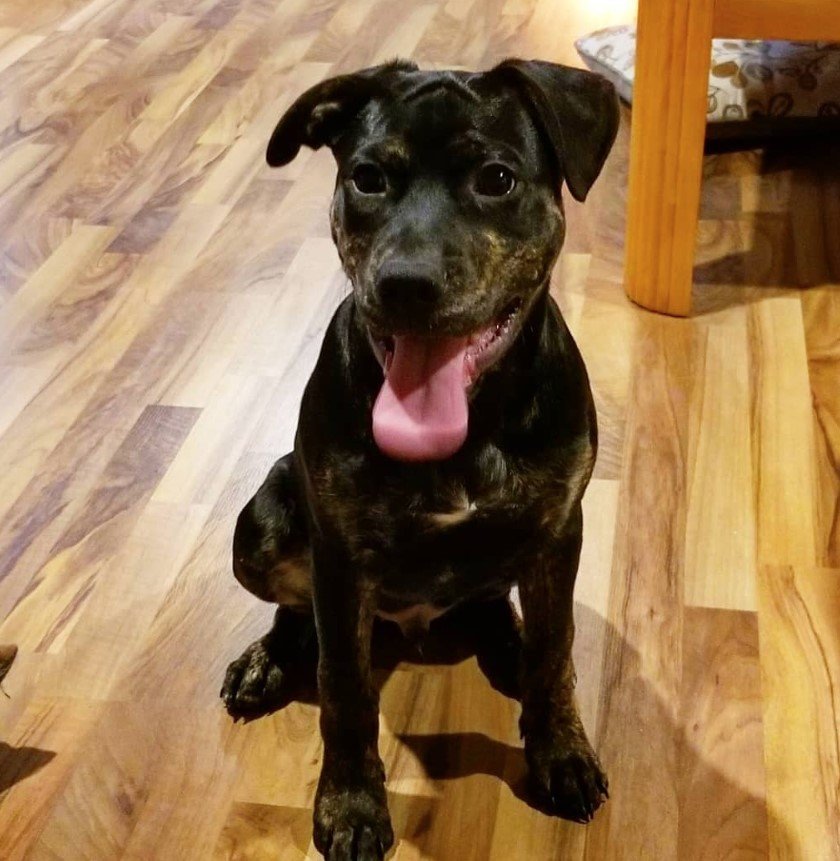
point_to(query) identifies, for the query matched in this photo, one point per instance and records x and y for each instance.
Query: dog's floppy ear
(320, 115)
(577, 111)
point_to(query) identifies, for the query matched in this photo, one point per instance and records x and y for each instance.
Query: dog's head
(447, 216)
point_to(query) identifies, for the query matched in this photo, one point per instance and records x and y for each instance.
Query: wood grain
(163, 296)
(642, 665)
(821, 313)
(800, 662)
(720, 495)
(666, 151)
(778, 19)
(783, 434)
(721, 756)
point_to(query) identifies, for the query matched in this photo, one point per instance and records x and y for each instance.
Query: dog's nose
(404, 289)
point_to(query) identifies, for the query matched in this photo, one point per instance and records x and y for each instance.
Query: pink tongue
(421, 412)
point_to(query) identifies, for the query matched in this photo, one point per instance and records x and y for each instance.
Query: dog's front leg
(351, 813)
(562, 763)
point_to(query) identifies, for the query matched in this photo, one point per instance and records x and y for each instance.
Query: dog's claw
(350, 844)
(603, 786)
(569, 779)
(368, 846)
(359, 843)
(353, 826)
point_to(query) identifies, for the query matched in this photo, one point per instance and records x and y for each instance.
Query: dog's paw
(567, 775)
(352, 824)
(253, 683)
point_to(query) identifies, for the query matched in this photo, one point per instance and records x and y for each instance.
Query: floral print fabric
(748, 80)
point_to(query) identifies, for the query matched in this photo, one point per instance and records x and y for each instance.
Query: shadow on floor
(788, 219)
(488, 633)
(18, 763)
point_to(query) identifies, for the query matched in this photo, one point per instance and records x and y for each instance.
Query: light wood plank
(720, 469)
(721, 760)
(821, 312)
(800, 663)
(644, 648)
(783, 434)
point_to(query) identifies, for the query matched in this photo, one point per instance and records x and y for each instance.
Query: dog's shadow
(490, 633)
(18, 763)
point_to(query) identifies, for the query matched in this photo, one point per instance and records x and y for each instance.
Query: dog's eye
(369, 179)
(495, 180)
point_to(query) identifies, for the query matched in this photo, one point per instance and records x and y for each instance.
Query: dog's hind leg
(264, 677)
(271, 559)
(498, 644)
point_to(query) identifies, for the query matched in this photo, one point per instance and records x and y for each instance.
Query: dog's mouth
(421, 412)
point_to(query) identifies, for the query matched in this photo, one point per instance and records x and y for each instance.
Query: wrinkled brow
(446, 82)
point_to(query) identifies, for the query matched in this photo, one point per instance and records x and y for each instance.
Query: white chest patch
(463, 508)
(414, 621)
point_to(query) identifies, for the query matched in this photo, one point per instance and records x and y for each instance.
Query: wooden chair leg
(666, 151)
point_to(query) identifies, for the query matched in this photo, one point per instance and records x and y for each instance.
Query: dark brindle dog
(447, 432)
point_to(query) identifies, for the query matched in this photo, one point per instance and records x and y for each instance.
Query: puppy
(447, 433)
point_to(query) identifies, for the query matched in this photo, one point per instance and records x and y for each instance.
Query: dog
(448, 432)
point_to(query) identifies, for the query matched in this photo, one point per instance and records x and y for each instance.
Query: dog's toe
(353, 824)
(569, 780)
(575, 788)
(368, 846)
(356, 844)
(253, 683)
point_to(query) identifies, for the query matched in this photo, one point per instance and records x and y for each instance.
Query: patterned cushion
(749, 80)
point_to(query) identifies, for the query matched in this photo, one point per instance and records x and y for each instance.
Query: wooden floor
(162, 299)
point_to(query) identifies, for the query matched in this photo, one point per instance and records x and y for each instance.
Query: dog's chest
(443, 563)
